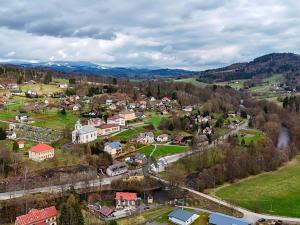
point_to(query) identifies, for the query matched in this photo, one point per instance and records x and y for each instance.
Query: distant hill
(94, 69)
(283, 63)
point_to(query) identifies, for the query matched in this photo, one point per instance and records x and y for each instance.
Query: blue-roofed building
(182, 217)
(221, 219)
(113, 148)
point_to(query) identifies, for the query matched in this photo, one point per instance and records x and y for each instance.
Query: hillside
(264, 66)
(89, 68)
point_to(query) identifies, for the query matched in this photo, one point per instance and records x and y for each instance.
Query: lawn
(275, 192)
(163, 150)
(154, 119)
(127, 134)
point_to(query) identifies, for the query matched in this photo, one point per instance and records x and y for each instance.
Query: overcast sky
(190, 34)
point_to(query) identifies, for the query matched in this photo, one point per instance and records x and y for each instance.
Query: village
(108, 135)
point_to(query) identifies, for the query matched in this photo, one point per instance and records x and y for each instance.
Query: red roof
(127, 196)
(21, 142)
(105, 211)
(106, 126)
(41, 148)
(36, 216)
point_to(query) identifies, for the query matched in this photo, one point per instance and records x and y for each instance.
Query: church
(83, 134)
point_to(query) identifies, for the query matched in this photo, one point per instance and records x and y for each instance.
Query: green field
(250, 135)
(154, 119)
(41, 88)
(54, 120)
(275, 192)
(127, 134)
(191, 80)
(162, 150)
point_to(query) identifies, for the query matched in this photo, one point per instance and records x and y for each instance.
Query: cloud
(193, 34)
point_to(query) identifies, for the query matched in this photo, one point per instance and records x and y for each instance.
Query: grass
(191, 80)
(162, 150)
(275, 192)
(54, 120)
(250, 135)
(127, 134)
(41, 88)
(154, 119)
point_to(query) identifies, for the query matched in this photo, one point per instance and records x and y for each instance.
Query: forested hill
(88, 68)
(283, 63)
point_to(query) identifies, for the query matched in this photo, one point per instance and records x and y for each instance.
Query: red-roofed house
(45, 216)
(106, 129)
(41, 152)
(21, 143)
(125, 200)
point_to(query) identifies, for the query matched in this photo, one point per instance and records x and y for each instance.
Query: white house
(113, 148)
(117, 169)
(83, 134)
(76, 107)
(182, 217)
(116, 120)
(162, 138)
(145, 138)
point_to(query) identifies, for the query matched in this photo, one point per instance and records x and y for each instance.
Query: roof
(115, 144)
(221, 219)
(181, 214)
(21, 142)
(106, 126)
(87, 129)
(41, 148)
(36, 215)
(127, 196)
(106, 211)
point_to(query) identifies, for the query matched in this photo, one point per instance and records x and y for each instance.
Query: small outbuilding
(222, 219)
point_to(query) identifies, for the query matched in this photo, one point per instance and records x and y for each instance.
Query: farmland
(275, 192)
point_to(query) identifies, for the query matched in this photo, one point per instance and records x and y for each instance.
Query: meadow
(275, 192)
(163, 150)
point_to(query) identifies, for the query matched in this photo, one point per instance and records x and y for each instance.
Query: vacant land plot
(163, 150)
(54, 120)
(41, 88)
(127, 134)
(276, 192)
(250, 135)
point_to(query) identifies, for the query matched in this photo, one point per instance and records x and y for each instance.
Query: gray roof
(221, 219)
(181, 214)
(115, 144)
(87, 129)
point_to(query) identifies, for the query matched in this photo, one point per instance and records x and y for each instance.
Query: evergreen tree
(2, 134)
(15, 146)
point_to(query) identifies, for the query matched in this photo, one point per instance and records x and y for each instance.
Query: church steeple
(78, 125)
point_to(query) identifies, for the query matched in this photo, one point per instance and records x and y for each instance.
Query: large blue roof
(221, 219)
(181, 214)
(115, 144)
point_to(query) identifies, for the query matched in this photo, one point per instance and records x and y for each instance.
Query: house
(116, 120)
(188, 108)
(113, 148)
(83, 134)
(22, 117)
(125, 200)
(105, 211)
(76, 107)
(41, 152)
(162, 138)
(222, 219)
(11, 135)
(112, 107)
(95, 122)
(159, 166)
(21, 144)
(127, 115)
(12, 86)
(63, 86)
(45, 216)
(207, 130)
(17, 92)
(138, 158)
(116, 169)
(152, 99)
(165, 100)
(178, 140)
(131, 106)
(182, 217)
(109, 102)
(145, 138)
(106, 129)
